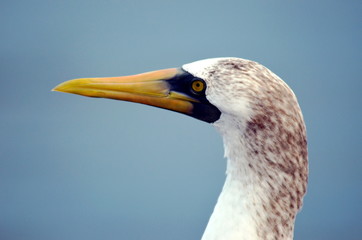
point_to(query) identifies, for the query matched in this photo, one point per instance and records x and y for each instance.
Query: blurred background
(80, 168)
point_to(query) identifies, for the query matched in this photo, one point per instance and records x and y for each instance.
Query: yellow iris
(198, 85)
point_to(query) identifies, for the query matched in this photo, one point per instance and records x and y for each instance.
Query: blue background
(80, 168)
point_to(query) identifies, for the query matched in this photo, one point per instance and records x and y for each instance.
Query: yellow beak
(150, 88)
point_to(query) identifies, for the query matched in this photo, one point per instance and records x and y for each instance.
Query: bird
(263, 131)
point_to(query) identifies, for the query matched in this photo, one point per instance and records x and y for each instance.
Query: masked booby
(263, 131)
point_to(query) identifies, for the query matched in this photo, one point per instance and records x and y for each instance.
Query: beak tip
(63, 87)
(56, 89)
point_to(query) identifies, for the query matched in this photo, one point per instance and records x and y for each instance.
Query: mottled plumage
(265, 146)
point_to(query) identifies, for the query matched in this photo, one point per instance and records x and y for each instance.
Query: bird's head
(203, 89)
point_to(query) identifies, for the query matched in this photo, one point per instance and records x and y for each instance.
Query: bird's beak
(152, 88)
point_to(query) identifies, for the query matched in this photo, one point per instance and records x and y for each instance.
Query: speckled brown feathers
(276, 128)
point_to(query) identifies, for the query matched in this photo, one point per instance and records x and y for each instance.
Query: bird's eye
(198, 85)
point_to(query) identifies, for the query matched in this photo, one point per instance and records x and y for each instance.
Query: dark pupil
(197, 84)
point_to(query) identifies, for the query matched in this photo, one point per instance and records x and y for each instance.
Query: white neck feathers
(255, 202)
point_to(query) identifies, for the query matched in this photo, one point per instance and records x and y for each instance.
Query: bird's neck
(241, 213)
(253, 203)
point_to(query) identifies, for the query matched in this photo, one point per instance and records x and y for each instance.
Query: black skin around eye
(203, 109)
(183, 83)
